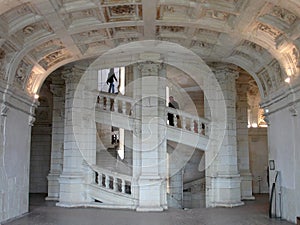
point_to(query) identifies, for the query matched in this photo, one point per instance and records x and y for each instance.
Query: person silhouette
(110, 80)
(172, 104)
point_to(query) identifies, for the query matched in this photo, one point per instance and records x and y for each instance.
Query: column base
(246, 186)
(53, 187)
(72, 190)
(226, 191)
(150, 194)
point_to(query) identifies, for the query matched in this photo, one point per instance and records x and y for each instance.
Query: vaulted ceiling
(260, 36)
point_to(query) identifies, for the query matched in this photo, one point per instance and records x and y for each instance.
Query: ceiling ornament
(284, 15)
(269, 30)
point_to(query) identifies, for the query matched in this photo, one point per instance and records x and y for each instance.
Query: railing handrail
(187, 115)
(111, 173)
(113, 96)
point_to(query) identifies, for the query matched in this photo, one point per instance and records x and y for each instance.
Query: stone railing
(115, 103)
(189, 122)
(182, 120)
(112, 181)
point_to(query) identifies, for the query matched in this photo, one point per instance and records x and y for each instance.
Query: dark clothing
(174, 105)
(110, 81)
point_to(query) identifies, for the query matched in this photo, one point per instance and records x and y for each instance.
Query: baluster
(101, 102)
(199, 127)
(116, 105)
(206, 129)
(106, 181)
(193, 126)
(123, 185)
(115, 188)
(175, 121)
(183, 123)
(111, 104)
(124, 107)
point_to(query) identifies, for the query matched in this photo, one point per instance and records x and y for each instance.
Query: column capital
(149, 68)
(223, 71)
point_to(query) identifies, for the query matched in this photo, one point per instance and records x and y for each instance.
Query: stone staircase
(112, 184)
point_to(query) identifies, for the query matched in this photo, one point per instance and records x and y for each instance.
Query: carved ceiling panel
(279, 18)
(54, 58)
(127, 32)
(22, 72)
(46, 48)
(18, 16)
(171, 32)
(82, 17)
(124, 12)
(91, 36)
(175, 12)
(33, 32)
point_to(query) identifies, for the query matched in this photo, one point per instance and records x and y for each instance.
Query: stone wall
(258, 150)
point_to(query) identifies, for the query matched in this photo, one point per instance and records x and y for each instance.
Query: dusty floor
(252, 213)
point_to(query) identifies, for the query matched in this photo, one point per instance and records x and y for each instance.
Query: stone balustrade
(115, 103)
(189, 122)
(112, 181)
(182, 120)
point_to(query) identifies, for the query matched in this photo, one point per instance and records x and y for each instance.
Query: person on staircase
(110, 80)
(172, 104)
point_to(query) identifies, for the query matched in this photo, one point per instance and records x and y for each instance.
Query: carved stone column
(57, 144)
(223, 188)
(242, 137)
(149, 140)
(77, 149)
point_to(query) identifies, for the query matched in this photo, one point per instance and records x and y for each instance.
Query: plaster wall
(14, 169)
(284, 150)
(258, 150)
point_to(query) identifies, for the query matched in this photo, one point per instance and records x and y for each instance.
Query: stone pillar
(242, 137)
(57, 145)
(80, 149)
(149, 137)
(16, 121)
(223, 188)
(176, 189)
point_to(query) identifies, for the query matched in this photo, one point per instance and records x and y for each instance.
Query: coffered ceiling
(260, 36)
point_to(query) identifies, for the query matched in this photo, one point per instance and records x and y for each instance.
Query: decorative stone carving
(55, 58)
(175, 29)
(202, 44)
(253, 46)
(269, 30)
(284, 15)
(122, 10)
(217, 15)
(22, 72)
(149, 68)
(31, 120)
(296, 57)
(28, 29)
(30, 82)
(4, 109)
(278, 74)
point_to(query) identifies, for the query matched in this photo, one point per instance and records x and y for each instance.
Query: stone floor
(252, 213)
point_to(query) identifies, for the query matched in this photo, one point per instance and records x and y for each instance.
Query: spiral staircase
(111, 184)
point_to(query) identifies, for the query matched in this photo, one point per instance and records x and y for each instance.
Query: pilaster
(224, 182)
(149, 138)
(57, 144)
(242, 137)
(79, 145)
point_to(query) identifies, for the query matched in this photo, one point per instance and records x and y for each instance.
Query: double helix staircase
(113, 184)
